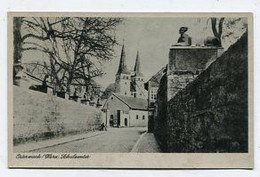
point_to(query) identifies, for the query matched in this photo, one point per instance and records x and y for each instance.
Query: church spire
(122, 69)
(137, 67)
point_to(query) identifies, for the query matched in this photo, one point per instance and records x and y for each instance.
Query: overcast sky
(153, 38)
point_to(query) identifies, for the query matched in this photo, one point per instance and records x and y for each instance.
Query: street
(114, 140)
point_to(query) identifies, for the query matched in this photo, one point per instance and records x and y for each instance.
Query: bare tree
(217, 28)
(91, 41)
(228, 28)
(74, 46)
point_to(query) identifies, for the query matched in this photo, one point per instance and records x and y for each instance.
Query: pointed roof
(137, 68)
(122, 69)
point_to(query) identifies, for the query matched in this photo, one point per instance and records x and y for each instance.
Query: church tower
(123, 77)
(138, 80)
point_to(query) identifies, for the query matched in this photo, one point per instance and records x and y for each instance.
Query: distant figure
(103, 127)
(184, 39)
(212, 41)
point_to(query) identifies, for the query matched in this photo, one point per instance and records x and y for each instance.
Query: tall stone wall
(160, 118)
(186, 63)
(37, 115)
(211, 113)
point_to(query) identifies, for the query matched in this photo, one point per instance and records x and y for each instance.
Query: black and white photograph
(130, 86)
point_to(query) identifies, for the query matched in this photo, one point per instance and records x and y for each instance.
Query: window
(111, 98)
(125, 93)
(136, 116)
(143, 117)
(125, 83)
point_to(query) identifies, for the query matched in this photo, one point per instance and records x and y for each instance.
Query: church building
(128, 106)
(130, 83)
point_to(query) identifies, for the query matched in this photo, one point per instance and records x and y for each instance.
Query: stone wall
(160, 117)
(38, 115)
(186, 63)
(211, 113)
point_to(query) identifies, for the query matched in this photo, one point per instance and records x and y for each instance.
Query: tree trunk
(17, 42)
(217, 33)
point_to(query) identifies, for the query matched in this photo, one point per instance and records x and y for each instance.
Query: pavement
(34, 146)
(115, 140)
(146, 144)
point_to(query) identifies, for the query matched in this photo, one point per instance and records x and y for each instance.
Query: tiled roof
(133, 103)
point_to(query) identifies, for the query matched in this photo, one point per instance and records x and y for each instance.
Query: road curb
(135, 148)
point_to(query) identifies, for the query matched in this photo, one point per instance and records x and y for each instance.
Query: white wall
(123, 84)
(140, 122)
(36, 113)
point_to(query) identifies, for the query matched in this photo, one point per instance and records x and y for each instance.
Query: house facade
(125, 111)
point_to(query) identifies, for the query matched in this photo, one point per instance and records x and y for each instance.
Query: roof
(155, 79)
(137, 67)
(122, 68)
(133, 103)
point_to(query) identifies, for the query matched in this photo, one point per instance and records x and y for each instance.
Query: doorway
(126, 123)
(111, 121)
(118, 118)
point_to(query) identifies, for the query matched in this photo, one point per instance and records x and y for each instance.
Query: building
(152, 86)
(130, 83)
(125, 111)
(128, 105)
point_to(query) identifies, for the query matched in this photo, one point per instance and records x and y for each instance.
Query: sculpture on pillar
(184, 39)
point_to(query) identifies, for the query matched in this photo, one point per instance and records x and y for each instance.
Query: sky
(152, 37)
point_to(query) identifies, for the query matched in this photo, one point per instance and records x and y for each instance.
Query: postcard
(130, 90)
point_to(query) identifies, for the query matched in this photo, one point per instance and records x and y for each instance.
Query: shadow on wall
(211, 113)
